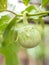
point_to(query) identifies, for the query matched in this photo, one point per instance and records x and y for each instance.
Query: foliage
(3, 5)
(26, 2)
(44, 2)
(9, 35)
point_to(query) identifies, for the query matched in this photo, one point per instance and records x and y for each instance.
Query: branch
(20, 15)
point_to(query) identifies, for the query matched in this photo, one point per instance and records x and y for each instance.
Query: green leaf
(29, 8)
(44, 2)
(8, 32)
(4, 18)
(26, 2)
(4, 22)
(11, 38)
(10, 54)
(3, 5)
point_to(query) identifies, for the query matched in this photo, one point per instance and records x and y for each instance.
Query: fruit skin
(28, 36)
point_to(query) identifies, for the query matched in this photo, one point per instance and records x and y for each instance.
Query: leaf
(3, 5)
(7, 31)
(44, 2)
(26, 2)
(12, 37)
(30, 8)
(4, 18)
(4, 22)
(10, 54)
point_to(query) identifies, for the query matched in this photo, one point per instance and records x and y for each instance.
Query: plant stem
(20, 15)
(11, 12)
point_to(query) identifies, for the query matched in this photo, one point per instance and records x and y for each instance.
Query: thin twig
(20, 15)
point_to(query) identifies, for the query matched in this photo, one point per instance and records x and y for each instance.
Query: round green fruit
(28, 36)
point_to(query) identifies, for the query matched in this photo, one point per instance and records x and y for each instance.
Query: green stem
(42, 13)
(11, 12)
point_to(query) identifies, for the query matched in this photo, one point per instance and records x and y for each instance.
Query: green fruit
(28, 36)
